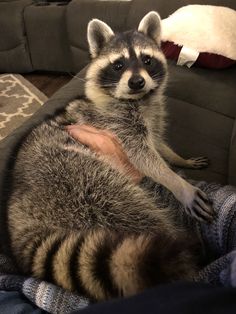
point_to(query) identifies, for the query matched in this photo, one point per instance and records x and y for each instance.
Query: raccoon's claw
(201, 208)
(198, 162)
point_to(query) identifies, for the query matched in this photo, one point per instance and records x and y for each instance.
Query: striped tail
(102, 264)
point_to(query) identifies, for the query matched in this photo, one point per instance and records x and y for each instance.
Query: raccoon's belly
(72, 189)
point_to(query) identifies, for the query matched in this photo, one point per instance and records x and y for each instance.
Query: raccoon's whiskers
(108, 80)
(108, 85)
(158, 76)
(104, 85)
(77, 77)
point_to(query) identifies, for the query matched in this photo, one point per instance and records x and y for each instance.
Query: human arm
(105, 144)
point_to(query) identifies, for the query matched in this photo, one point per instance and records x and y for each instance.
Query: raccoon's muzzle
(136, 82)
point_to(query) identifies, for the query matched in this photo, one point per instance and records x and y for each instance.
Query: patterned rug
(19, 99)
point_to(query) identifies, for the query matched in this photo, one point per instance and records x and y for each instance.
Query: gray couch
(35, 35)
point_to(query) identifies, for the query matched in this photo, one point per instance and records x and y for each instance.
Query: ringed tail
(102, 264)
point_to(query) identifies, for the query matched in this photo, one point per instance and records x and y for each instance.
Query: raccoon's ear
(150, 25)
(98, 34)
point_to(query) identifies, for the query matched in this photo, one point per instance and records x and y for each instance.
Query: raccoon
(78, 222)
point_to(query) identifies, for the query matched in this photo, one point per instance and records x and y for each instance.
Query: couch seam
(5, 50)
(26, 35)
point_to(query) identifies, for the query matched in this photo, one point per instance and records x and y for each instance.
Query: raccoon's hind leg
(176, 160)
(103, 264)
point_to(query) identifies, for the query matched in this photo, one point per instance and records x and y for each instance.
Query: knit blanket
(219, 238)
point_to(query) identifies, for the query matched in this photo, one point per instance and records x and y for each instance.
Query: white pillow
(203, 29)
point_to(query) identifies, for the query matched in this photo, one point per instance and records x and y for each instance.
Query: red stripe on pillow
(205, 59)
(170, 50)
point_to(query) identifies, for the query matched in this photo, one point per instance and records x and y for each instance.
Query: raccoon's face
(126, 66)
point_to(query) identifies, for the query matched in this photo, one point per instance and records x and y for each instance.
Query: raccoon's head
(125, 66)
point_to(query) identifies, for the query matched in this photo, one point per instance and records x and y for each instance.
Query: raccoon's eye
(118, 65)
(147, 60)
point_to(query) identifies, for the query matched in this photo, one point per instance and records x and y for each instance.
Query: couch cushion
(206, 88)
(202, 114)
(194, 131)
(14, 53)
(47, 37)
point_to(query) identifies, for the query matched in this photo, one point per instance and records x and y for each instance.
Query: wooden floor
(48, 83)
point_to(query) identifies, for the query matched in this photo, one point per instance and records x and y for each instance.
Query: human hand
(105, 144)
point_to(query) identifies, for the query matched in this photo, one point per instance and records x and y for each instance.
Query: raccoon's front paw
(198, 206)
(198, 162)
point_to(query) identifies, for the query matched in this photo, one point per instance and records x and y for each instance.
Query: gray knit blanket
(219, 238)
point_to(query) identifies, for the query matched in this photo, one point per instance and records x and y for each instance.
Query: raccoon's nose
(136, 82)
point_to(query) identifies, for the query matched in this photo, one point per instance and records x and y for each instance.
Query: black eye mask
(111, 74)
